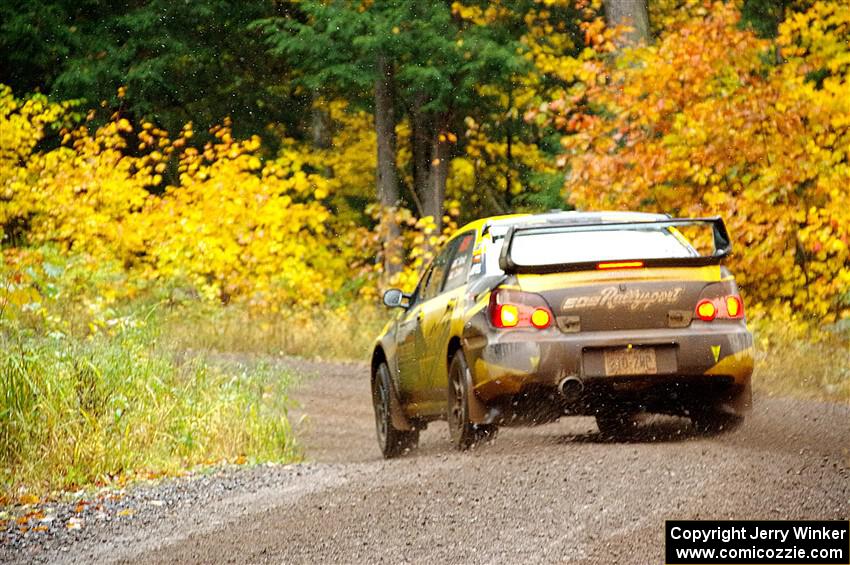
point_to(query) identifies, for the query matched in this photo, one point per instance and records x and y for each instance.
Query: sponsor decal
(632, 299)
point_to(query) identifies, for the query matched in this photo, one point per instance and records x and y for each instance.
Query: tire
(710, 422)
(393, 442)
(463, 433)
(616, 425)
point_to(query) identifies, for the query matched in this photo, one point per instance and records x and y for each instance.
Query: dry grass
(796, 364)
(346, 334)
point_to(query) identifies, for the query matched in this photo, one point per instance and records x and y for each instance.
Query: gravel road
(555, 493)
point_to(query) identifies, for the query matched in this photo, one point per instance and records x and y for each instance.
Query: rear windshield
(558, 247)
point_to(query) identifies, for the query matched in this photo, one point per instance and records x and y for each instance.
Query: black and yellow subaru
(523, 319)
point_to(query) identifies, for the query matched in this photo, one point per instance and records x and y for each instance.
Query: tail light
(729, 307)
(706, 310)
(734, 306)
(517, 309)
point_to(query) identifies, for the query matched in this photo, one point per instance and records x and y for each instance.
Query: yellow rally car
(523, 319)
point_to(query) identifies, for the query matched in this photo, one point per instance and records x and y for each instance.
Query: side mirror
(394, 298)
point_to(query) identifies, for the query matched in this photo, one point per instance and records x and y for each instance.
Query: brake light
(734, 306)
(517, 309)
(508, 315)
(729, 307)
(706, 310)
(619, 265)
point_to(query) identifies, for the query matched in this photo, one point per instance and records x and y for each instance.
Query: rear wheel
(393, 442)
(616, 424)
(464, 434)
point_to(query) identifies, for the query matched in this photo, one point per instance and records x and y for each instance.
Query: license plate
(631, 361)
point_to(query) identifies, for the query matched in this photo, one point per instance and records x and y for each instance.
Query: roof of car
(502, 223)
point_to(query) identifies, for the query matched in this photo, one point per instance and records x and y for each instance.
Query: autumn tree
(415, 59)
(346, 52)
(708, 122)
(504, 160)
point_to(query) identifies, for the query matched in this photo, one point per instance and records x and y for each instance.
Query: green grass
(77, 412)
(93, 394)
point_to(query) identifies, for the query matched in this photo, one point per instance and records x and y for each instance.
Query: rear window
(553, 247)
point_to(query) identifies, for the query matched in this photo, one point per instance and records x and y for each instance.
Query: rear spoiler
(722, 245)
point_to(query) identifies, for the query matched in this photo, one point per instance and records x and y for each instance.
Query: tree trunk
(509, 157)
(421, 153)
(632, 13)
(439, 173)
(321, 134)
(387, 176)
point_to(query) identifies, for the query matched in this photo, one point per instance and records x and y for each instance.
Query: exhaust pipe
(571, 388)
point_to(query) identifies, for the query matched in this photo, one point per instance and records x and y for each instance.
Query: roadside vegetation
(113, 408)
(790, 362)
(102, 396)
(147, 221)
(342, 333)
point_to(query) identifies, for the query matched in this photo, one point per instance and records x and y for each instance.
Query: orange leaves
(598, 36)
(27, 498)
(705, 121)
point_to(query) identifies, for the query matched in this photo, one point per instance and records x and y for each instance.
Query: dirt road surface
(555, 493)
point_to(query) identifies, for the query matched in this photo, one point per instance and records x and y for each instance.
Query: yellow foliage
(236, 228)
(351, 158)
(232, 225)
(484, 176)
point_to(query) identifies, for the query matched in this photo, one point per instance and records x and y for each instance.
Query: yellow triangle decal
(715, 350)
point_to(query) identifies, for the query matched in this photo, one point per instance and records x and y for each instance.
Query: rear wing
(722, 244)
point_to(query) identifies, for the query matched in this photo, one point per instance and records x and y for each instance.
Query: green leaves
(179, 62)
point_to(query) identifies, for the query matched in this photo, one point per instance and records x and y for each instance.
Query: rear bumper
(710, 362)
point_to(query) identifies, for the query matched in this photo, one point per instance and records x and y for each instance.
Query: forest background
(184, 178)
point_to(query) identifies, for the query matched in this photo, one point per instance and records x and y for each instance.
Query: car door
(430, 295)
(410, 343)
(438, 312)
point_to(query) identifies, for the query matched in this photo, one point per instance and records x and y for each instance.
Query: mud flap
(479, 413)
(399, 420)
(739, 365)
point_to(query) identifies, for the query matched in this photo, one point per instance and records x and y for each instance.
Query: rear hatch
(644, 299)
(612, 276)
